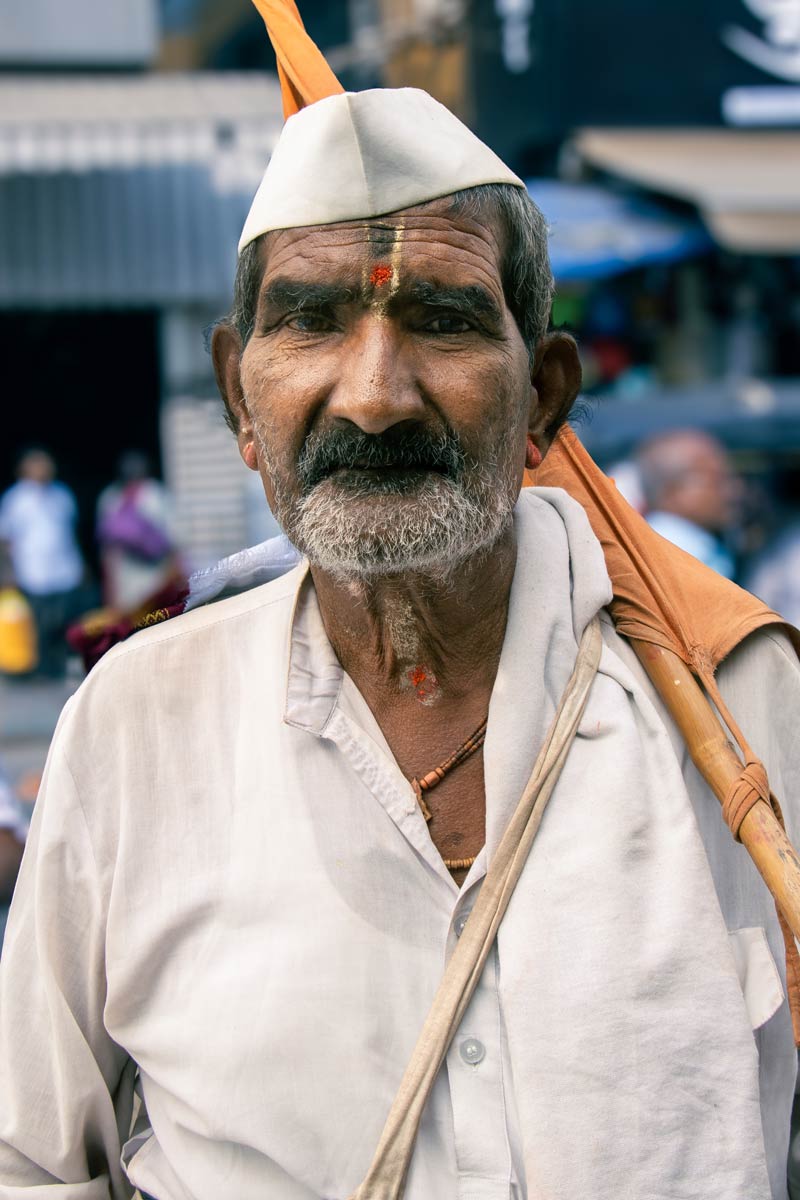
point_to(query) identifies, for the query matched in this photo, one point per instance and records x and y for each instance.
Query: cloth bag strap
(386, 1177)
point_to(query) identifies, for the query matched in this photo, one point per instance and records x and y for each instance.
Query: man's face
(388, 388)
(709, 491)
(37, 467)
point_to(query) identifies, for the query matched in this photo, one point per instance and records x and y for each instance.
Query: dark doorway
(85, 385)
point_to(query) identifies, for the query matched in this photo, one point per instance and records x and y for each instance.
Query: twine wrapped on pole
(385, 1179)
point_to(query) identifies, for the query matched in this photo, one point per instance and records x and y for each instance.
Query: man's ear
(226, 355)
(556, 379)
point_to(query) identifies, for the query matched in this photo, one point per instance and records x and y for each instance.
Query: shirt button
(461, 921)
(472, 1051)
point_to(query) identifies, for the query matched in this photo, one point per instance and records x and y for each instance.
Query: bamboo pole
(718, 762)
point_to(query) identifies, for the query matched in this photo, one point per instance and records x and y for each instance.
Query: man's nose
(377, 386)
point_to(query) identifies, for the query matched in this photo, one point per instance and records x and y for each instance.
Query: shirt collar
(314, 678)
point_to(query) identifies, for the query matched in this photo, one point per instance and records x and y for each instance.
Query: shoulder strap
(386, 1177)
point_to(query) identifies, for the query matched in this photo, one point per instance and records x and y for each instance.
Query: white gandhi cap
(361, 154)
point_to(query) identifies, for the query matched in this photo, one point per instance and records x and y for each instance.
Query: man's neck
(413, 638)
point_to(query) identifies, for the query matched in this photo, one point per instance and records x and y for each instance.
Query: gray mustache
(350, 449)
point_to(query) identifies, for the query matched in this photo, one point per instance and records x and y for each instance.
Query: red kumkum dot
(378, 276)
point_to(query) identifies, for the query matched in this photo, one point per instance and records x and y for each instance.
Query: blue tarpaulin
(596, 231)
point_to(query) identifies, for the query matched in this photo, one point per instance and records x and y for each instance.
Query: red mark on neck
(424, 683)
(380, 275)
(417, 676)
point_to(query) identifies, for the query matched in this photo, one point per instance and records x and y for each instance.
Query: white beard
(358, 533)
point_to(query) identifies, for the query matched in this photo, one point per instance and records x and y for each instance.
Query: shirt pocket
(758, 975)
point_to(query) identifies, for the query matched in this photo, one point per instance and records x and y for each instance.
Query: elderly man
(265, 823)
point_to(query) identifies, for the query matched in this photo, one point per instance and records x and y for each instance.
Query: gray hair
(524, 268)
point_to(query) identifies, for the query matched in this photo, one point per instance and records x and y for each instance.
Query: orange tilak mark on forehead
(380, 275)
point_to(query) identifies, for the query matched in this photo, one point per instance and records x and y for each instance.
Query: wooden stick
(718, 762)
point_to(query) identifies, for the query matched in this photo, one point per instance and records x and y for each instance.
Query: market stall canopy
(748, 414)
(596, 231)
(746, 183)
(128, 190)
(227, 120)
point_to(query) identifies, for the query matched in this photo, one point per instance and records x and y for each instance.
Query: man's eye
(448, 324)
(309, 322)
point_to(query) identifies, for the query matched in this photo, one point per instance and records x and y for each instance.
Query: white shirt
(38, 521)
(229, 882)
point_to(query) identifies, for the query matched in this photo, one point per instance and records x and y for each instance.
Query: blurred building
(696, 109)
(122, 197)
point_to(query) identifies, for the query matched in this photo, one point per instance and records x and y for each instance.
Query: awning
(227, 121)
(128, 190)
(144, 237)
(747, 415)
(596, 231)
(746, 183)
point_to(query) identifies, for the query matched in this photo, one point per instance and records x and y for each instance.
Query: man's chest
(279, 934)
(438, 749)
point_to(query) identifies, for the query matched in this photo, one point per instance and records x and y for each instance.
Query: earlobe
(533, 455)
(556, 379)
(226, 354)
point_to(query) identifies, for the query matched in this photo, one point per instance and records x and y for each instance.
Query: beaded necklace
(435, 777)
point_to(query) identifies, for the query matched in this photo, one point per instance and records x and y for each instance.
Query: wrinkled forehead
(428, 238)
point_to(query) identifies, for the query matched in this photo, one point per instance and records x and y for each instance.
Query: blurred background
(662, 142)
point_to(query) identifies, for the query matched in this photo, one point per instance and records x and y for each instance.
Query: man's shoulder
(761, 659)
(762, 662)
(169, 691)
(11, 495)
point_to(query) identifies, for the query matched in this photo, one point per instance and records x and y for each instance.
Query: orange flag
(304, 74)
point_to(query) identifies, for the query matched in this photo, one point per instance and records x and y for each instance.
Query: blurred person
(17, 628)
(142, 570)
(774, 576)
(14, 822)
(136, 535)
(266, 824)
(38, 516)
(14, 826)
(17, 634)
(691, 493)
(13, 831)
(772, 569)
(627, 477)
